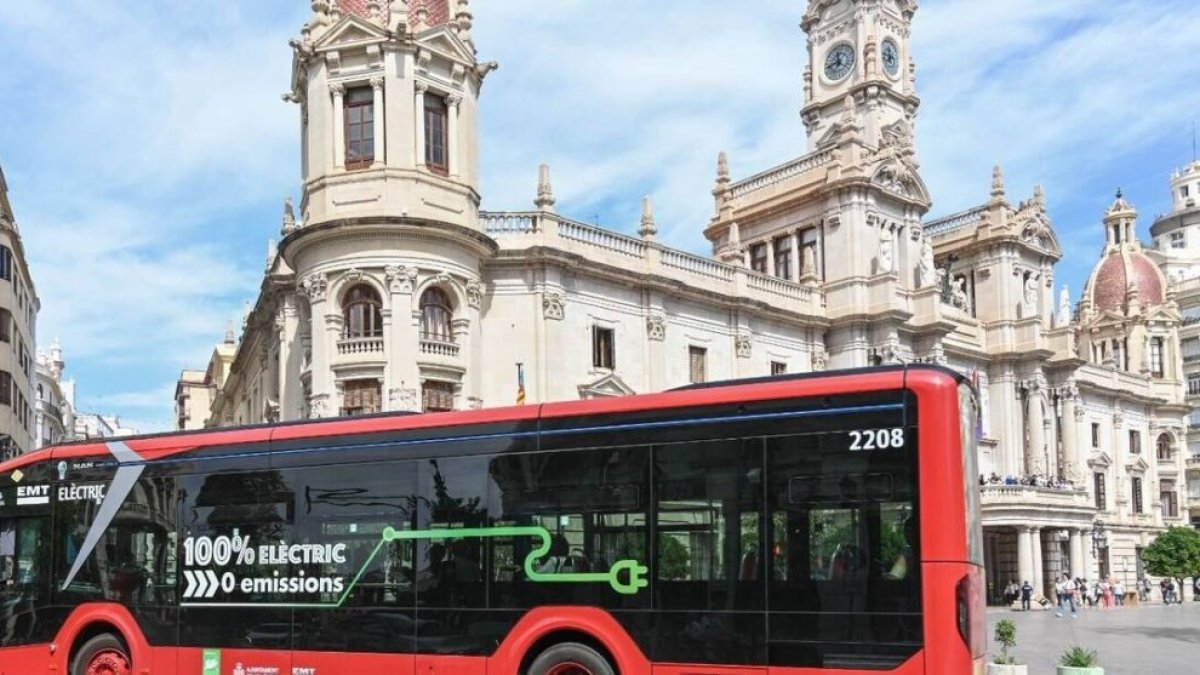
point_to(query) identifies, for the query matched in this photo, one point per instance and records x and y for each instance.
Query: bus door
(24, 559)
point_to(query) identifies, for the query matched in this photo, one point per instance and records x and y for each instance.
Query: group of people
(1034, 480)
(1073, 593)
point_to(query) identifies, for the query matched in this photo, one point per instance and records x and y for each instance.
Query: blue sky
(148, 152)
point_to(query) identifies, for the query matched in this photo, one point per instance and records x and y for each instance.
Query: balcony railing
(1029, 494)
(439, 346)
(360, 346)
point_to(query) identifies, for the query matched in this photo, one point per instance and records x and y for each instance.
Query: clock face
(891, 58)
(839, 62)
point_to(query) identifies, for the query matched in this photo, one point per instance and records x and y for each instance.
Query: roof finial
(997, 181)
(545, 191)
(1039, 195)
(1120, 193)
(647, 229)
(230, 338)
(722, 167)
(289, 217)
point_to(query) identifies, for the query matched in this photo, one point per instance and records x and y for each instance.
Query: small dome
(439, 10)
(1110, 281)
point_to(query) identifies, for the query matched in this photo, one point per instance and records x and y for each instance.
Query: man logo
(239, 670)
(62, 471)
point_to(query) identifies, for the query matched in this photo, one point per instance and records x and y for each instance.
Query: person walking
(1065, 589)
(1106, 593)
(1011, 593)
(1026, 595)
(1119, 593)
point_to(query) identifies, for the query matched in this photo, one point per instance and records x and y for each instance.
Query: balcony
(1193, 463)
(439, 347)
(1023, 501)
(360, 347)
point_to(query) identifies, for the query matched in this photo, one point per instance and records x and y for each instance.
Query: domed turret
(1125, 277)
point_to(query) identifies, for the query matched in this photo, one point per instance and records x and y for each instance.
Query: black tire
(571, 653)
(104, 642)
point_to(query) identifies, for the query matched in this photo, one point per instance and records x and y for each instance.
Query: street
(1150, 638)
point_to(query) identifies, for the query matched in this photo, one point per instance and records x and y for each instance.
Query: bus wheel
(570, 658)
(102, 655)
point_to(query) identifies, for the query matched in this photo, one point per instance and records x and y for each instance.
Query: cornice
(386, 227)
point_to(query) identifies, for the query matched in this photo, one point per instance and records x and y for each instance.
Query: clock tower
(858, 51)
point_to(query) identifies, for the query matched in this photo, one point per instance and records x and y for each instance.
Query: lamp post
(1099, 543)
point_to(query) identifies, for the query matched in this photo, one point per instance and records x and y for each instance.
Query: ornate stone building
(19, 305)
(390, 290)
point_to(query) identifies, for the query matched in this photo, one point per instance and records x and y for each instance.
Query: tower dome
(1125, 274)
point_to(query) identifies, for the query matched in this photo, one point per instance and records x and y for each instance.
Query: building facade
(19, 307)
(1176, 249)
(55, 402)
(390, 290)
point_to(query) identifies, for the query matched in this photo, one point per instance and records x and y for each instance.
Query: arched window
(361, 312)
(436, 313)
(1164, 447)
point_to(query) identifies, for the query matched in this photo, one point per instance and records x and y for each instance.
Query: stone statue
(926, 267)
(809, 262)
(960, 298)
(886, 258)
(1064, 308)
(1030, 304)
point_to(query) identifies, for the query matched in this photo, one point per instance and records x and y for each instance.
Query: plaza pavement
(1151, 639)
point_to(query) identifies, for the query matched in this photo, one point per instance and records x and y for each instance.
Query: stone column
(1024, 555)
(315, 287)
(419, 117)
(284, 377)
(378, 113)
(794, 239)
(1039, 572)
(1070, 429)
(452, 162)
(1078, 564)
(1035, 452)
(339, 125)
(402, 379)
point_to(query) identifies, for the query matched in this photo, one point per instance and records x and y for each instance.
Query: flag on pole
(520, 384)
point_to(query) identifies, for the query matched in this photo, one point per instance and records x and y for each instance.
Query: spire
(230, 338)
(1039, 195)
(464, 20)
(647, 229)
(997, 182)
(545, 191)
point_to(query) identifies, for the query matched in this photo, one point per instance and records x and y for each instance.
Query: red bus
(784, 526)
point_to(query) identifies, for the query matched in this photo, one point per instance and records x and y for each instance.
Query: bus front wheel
(570, 658)
(102, 655)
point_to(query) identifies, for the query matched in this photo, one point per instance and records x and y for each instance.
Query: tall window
(1136, 484)
(1178, 240)
(603, 348)
(1135, 442)
(437, 396)
(1163, 447)
(361, 397)
(778, 368)
(1168, 499)
(436, 312)
(6, 388)
(783, 257)
(697, 364)
(1095, 434)
(6, 323)
(436, 156)
(758, 258)
(1193, 385)
(362, 313)
(360, 127)
(1156, 357)
(1099, 491)
(5, 263)
(1190, 348)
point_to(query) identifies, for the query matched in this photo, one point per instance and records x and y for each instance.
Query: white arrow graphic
(190, 589)
(201, 585)
(214, 584)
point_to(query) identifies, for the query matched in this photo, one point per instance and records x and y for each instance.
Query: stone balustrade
(441, 348)
(954, 222)
(1015, 495)
(776, 175)
(367, 346)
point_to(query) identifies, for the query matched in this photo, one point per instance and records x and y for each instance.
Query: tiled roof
(355, 7)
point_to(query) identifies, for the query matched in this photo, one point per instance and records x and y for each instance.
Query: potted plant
(1079, 661)
(1005, 664)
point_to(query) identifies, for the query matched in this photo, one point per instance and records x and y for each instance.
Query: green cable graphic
(625, 576)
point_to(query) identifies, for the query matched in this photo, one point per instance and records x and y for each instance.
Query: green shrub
(1006, 635)
(1078, 657)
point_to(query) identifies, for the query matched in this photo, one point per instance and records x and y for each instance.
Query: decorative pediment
(900, 177)
(445, 42)
(606, 387)
(1099, 460)
(351, 31)
(1138, 465)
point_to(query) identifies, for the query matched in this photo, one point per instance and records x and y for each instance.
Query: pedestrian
(1106, 594)
(1170, 591)
(1026, 594)
(1119, 593)
(1144, 589)
(1065, 589)
(1162, 588)
(1011, 592)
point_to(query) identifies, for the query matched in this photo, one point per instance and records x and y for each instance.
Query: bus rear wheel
(570, 658)
(102, 655)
